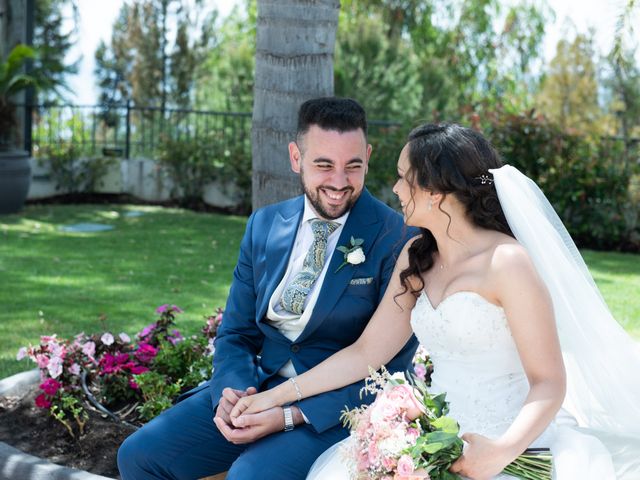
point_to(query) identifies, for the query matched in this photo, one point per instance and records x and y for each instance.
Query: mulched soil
(30, 429)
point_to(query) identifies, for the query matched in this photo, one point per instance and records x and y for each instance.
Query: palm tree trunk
(294, 62)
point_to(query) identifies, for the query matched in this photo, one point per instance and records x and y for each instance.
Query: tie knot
(323, 228)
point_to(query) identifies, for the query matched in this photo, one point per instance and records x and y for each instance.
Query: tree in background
(225, 79)
(146, 60)
(294, 62)
(568, 93)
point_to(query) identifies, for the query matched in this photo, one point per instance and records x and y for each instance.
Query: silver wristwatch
(288, 419)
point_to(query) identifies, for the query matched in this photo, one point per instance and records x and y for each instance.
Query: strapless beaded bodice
(475, 360)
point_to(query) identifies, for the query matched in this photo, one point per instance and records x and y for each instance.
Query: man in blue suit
(296, 298)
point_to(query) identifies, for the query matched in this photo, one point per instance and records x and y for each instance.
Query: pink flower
(405, 465)
(89, 349)
(133, 384)
(22, 352)
(50, 386)
(42, 402)
(42, 360)
(74, 369)
(107, 339)
(47, 339)
(420, 474)
(124, 337)
(55, 367)
(404, 397)
(420, 371)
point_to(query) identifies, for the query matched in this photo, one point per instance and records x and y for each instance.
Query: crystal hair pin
(485, 179)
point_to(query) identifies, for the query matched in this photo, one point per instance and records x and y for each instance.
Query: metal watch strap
(288, 419)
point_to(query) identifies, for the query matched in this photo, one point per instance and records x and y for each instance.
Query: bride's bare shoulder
(509, 259)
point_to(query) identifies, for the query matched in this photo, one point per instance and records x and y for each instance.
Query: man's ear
(295, 157)
(366, 163)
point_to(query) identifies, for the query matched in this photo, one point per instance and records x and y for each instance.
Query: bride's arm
(529, 311)
(386, 333)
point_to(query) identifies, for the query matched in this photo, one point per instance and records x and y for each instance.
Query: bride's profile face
(413, 199)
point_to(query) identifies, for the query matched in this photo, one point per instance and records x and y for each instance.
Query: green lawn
(65, 283)
(58, 282)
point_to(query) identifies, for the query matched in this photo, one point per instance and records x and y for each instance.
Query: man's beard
(314, 199)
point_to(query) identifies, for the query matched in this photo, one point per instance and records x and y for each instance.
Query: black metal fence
(130, 131)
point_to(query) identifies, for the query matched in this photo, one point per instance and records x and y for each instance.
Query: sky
(97, 17)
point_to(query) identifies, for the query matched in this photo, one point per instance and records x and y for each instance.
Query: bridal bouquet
(405, 434)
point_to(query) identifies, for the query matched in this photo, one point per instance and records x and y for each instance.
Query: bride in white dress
(496, 291)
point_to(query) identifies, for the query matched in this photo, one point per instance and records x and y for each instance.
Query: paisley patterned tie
(296, 292)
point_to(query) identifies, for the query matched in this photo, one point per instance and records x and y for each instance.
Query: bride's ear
(436, 198)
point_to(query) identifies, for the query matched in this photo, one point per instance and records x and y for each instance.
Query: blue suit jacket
(250, 352)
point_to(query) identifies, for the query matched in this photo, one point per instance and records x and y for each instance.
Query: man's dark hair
(331, 113)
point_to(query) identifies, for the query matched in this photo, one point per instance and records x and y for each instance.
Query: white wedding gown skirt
(477, 364)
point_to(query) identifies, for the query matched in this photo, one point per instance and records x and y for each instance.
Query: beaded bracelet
(295, 385)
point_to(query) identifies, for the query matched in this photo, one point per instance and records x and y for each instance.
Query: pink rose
(404, 397)
(420, 474)
(405, 465)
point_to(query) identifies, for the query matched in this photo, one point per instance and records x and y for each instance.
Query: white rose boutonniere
(353, 254)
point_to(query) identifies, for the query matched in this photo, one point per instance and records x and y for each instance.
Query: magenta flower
(138, 369)
(50, 386)
(133, 384)
(146, 353)
(42, 402)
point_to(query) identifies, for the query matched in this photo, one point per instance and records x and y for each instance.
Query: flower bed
(86, 379)
(130, 380)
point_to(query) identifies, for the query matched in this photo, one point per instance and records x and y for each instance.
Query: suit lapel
(278, 247)
(362, 223)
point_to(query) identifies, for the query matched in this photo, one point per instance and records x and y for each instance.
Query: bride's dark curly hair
(452, 160)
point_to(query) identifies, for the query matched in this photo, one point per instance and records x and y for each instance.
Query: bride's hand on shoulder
(256, 403)
(482, 458)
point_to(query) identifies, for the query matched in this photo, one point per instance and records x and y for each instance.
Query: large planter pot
(15, 178)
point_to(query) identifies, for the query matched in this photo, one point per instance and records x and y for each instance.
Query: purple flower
(162, 308)
(21, 353)
(107, 339)
(124, 337)
(420, 371)
(166, 307)
(147, 330)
